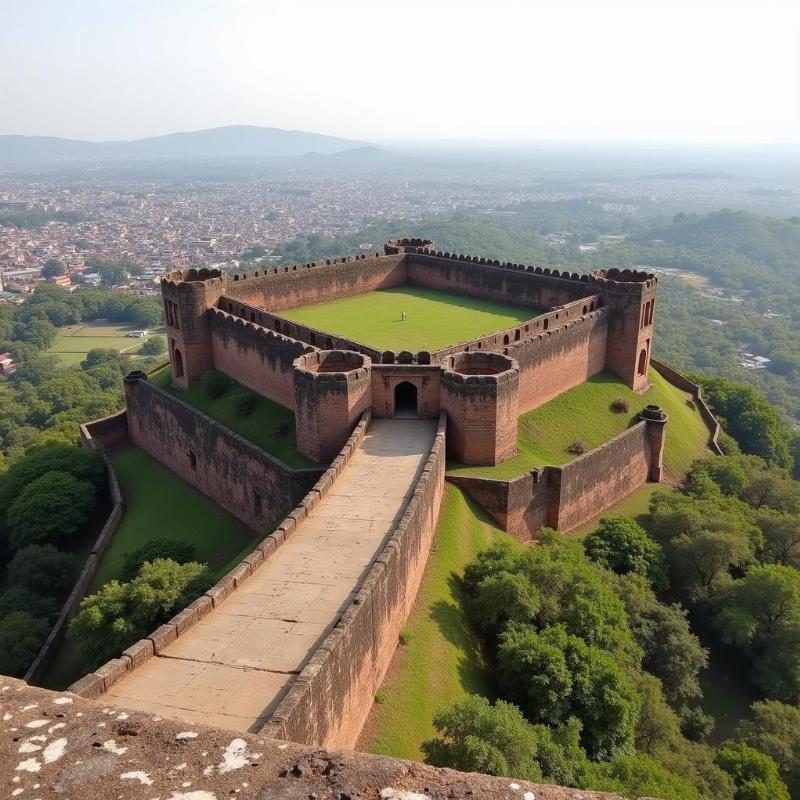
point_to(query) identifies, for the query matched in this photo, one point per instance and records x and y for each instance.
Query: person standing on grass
(403, 316)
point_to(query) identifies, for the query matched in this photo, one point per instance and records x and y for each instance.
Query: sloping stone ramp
(232, 668)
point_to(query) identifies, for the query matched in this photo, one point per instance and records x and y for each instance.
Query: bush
(755, 774)
(21, 636)
(281, 430)
(42, 568)
(577, 448)
(215, 384)
(621, 405)
(696, 725)
(51, 508)
(180, 552)
(154, 347)
(380, 698)
(405, 636)
(244, 402)
(120, 613)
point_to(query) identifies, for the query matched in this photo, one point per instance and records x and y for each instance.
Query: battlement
(408, 246)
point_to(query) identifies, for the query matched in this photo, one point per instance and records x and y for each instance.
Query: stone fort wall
(330, 701)
(568, 496)
(240, 477)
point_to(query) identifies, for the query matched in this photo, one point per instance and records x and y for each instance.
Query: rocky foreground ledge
(58, 744)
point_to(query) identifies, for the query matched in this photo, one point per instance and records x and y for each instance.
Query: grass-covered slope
(585, 414)
(269, 426)
(158, 504)
(442, 661)
(435, 319)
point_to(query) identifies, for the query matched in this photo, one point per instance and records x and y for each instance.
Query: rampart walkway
(233, 667)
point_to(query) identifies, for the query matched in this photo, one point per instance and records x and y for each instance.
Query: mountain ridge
(230, 141)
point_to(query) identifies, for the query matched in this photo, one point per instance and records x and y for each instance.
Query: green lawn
(269, 426)
(435, 319)
(73, 342)
(584, 413)
(442, 662)
(158, 504)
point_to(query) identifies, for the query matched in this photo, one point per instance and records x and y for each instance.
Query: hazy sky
(717, 70)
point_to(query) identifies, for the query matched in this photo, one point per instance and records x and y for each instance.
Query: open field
(584, 414)
(442, 661)
(435, 319)
(269, 426)
(73, 342)
(158, 504)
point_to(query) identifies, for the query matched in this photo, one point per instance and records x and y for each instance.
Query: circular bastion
(479, 394)
(331, 391)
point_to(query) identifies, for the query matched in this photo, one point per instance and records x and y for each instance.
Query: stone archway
(405, 400)
(643, 362)
(177, 360)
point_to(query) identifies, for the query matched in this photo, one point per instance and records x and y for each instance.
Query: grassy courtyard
(73, 342)
(158, 504)
(442, 661)
(584, 414)
(269, 426)
(435, 319)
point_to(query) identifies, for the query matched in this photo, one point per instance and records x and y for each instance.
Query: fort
(294, 641)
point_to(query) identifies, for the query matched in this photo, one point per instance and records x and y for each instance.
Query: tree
(553, 676)
(180, 552)
(43, 568)
(781, 537)
(774, 728)
(21, 636)
(18, 598)
(476, 736)
(154, 346)
(121, 613)
(50, 509)
(146, 313)
(641, 776)
(623, 546)
(671, 651)
(52, 267)
(754, 774)
(761, 614)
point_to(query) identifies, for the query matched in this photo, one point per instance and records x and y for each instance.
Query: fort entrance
(405, 400)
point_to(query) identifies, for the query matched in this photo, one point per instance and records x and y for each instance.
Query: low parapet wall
(102, 679)
(107, 431)
(682, 382)
(565, 497)
(243, 479)
(331, 698)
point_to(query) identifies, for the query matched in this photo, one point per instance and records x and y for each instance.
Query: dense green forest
(738, 292)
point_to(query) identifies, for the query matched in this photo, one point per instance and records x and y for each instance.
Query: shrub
(180, 552)
(754, 774)
(244, 402)
(380, 698)
(42, 568)
(215, 384)
(405, 636)
(621, 405)
(154, 347)
(281, 430)
(578, 447)
(696, 725)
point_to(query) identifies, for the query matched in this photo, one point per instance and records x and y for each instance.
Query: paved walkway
(233, 667)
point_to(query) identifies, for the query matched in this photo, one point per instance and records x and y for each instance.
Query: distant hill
(759, 240)
(234, 141)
